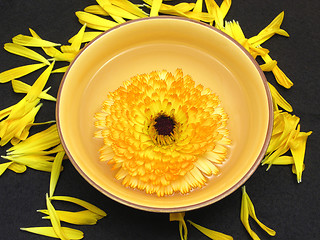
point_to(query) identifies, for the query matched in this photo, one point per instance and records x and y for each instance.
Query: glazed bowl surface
(210, 57)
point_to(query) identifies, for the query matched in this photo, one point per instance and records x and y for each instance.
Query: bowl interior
(209, 57)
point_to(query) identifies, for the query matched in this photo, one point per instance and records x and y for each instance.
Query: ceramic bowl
(210, 57)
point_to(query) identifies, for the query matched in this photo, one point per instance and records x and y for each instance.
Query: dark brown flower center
(164, 125)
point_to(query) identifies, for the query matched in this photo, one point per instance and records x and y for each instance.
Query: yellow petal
(87, 36)
(278, 100)
(21, 87)
(17, 167)
(32, 41)
(81, 203)
(283, 160)
(61, 70)
(182, 224)
(201, 16)
(253, 215)
(281, 77)
(5, 112)
(155, 7)
(39, 84)
(130, 7)
(198, 7)
(55, 220)
(36, 162)
(224, 7)
(247, 209)
(55, 173)
(269, 31)
(49, 232)
(4, 167)
(96, 9)
(116, 11)
(95, 21)
(18, 72)
(210, 233)
(19, 128)
(298, 148)
(40, 141)
(84, 217)
(76, 44)
(25, 52)
(268, 66)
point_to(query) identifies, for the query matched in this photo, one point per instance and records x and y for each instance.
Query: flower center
(164, 125)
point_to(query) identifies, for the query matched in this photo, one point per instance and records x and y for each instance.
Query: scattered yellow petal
(21, 87)
(18, 72)
(155, 7)
(198, 7)
(247, 209)
(76, 44)
(55, 220)
(130, 7)
(211, 233)
(298, 148)
(41, 163)
(17, 167)
(25, 52)
(182, 224)
(81, 203)
(96, 9)
(84, 217)
(32, 41)
(4, 167)
(278, 100)
(72, 234)
(39, 84)
(61, 70)
(280, 76)
(115, 10)
(87, 36)
(37, 143)
(272, 29)
(94, 21)
(55, 173)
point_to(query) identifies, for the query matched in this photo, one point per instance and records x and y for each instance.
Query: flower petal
(278, 100)
(25, 52)
(182, 224)
(18, 72)
(32, 41)
(130, 7)
(73, 234)
(55, 173)
(55, 220)
(17, 167)
(211, 233)
(96, 9)
(21, 87)
(247, 209)
(94, 21)
(298, 148)
(87, 36)
(81, 203)
(84, 217)
(155, 7)
(4, 167)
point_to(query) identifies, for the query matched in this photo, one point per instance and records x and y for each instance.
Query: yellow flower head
(163, 133)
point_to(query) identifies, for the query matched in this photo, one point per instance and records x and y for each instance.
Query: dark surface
(292, 209)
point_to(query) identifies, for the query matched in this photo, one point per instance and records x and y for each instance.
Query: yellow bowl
(210, 57)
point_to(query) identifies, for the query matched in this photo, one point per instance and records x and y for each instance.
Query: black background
(292, 209)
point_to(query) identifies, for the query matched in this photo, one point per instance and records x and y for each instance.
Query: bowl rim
(192, 206)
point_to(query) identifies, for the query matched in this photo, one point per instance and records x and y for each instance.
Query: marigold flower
(162, 133)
